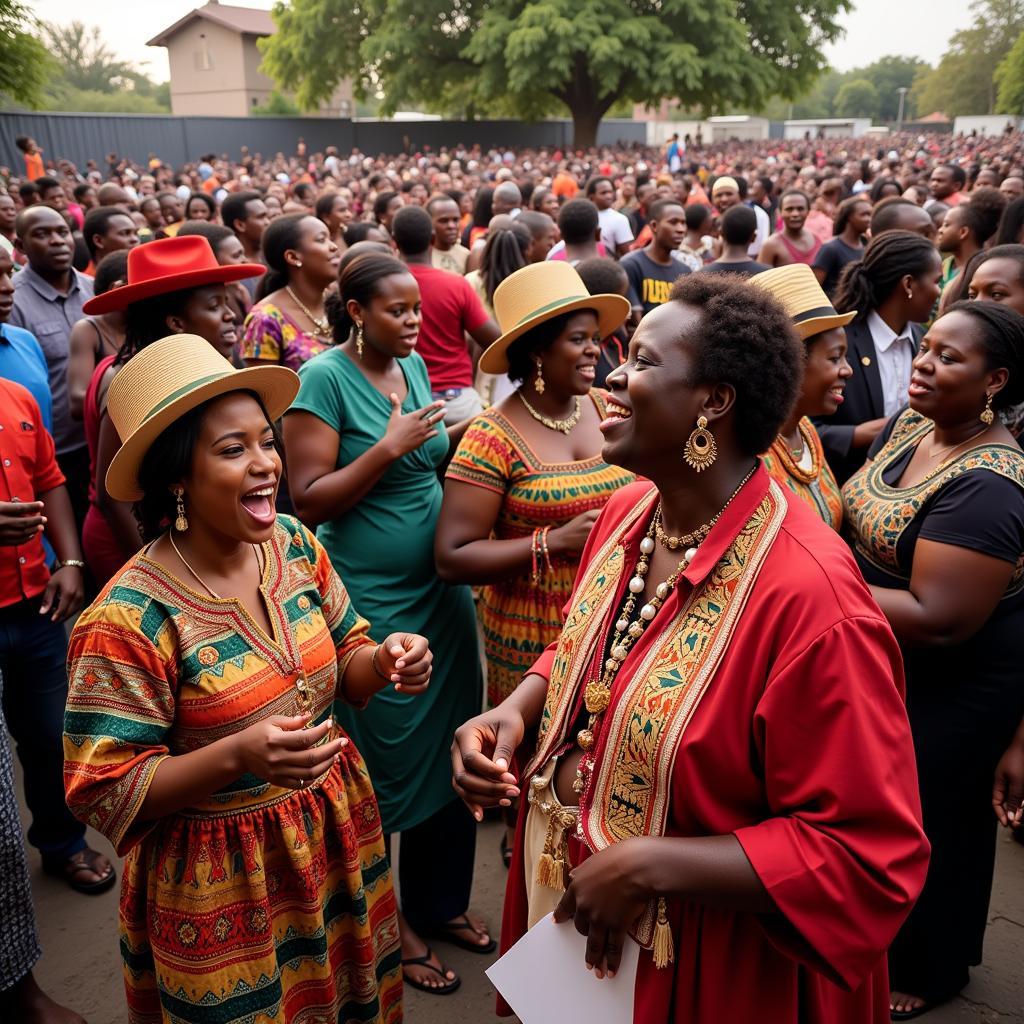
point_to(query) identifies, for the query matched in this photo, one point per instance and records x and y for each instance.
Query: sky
(874, 28)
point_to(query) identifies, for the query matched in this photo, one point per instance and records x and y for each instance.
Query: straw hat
(170, 265)
(541, 292)
(163, 382)
(797, 290)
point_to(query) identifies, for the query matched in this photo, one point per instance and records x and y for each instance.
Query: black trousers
(435, 870)
(75, 467)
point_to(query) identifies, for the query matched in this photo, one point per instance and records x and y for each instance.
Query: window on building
(204, 62)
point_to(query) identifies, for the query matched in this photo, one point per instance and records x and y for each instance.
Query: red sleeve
(843, 855)
(46, 473)
(473, 313)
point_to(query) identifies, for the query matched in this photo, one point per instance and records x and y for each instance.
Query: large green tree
(857, 98)
(25, 66)
(1009, 79)
(530, 58)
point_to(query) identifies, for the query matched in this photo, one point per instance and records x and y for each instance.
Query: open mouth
(614, 414)
(259, 503)
(588, 371)
(918, 387)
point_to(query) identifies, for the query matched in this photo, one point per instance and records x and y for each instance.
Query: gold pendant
(596, 697)
(585, 739)
(578, 784)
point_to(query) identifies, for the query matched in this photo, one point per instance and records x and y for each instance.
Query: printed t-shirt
(450, 309)
(650, 282)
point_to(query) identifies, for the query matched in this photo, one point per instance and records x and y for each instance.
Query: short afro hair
(982, 213)
(746, 340)
(578, 221)
(412, 230)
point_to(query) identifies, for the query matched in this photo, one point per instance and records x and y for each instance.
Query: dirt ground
(81, 966)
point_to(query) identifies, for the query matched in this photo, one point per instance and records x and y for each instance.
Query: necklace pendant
(585, 739)
(596, 697)
(579, 783)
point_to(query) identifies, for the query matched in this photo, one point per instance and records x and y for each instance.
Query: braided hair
(866, 283)
(1000, 329)
(504, 254)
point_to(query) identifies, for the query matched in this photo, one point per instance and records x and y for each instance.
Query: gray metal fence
(178, 140)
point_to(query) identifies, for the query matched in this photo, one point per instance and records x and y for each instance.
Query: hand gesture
(283, 752)
(1008, 787)
(406, 432)
(405, 659)
(481, 754)
(602, 902)
(20, 521)
(65, 593)
(570, 539)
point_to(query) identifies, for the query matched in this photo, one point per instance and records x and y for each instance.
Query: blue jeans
(32, 660)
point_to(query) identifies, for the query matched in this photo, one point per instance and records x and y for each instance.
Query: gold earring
(987, 415)
(181, 521)
(701, 449)
(538, 384)
(359, 340)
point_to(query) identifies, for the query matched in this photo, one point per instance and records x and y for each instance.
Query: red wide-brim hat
(170, 265)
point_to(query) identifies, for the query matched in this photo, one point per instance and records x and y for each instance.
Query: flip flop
(920, 1011)
(446, 989)
(449, 933)
(75, 865)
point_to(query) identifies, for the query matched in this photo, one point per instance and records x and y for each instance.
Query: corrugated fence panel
(178, 140)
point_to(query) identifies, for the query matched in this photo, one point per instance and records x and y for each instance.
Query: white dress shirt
(895, 361)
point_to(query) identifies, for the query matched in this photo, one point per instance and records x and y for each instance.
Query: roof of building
(244, 20)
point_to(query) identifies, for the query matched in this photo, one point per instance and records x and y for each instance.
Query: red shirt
(28, 468)
(450, 309)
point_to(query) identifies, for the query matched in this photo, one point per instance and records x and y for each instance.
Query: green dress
(384, 550)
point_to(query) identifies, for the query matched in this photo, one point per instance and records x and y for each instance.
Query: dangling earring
(180, 522)
(987, 415)
(701, 450)
(538, 384)
(359, 340)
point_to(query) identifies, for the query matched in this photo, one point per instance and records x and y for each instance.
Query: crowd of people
(666, 505)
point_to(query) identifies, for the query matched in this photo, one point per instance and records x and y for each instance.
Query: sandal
(449, 986)
(79, 863)
(925, 1007)
(449, 933)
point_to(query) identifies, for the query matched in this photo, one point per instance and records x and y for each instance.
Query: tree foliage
(25, 66)
(857, 98)
(964, 80)
(277, 105)
(1009, 79)
(530, 58)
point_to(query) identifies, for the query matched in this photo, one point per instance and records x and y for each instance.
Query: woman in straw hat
(796, 458)
(174, 286)
(198, 734)
(721, 667)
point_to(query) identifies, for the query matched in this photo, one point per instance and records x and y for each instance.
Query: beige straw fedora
(797, 290)
(539, 292)
(163, 382)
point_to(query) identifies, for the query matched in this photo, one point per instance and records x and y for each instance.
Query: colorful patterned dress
(260, 904)
(519, 619)
(815, 485)
(274, 337)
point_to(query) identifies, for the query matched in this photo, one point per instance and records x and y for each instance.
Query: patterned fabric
(259, 903)
(274, 337)
(816, 486)
(878, 514)
(519, 619)
(19, 943)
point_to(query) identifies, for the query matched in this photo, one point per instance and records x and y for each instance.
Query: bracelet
(534, 544)
(375, 666)
(544, 548)
(75, 563)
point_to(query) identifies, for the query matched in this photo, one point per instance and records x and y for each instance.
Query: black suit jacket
(862, 401)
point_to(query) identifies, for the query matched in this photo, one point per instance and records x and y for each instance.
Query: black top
(747, 268)
(650, 282)
(832, 257)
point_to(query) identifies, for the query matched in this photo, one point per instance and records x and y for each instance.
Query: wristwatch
(75, 563)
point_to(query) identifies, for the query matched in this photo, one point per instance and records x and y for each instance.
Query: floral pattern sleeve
(484, 456)
(264, 335)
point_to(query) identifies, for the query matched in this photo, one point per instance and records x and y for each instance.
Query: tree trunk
(586, 117)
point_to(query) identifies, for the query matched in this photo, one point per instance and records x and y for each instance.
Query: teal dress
(384, 551)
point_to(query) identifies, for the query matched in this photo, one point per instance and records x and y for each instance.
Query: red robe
(799, 747)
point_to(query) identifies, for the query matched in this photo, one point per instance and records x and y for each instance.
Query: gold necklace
(952, 448)
(323, 327)
(563, 426)
(597, 694)
(202, 582)
(698, 535)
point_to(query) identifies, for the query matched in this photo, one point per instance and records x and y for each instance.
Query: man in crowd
(48, 299)
(245, 213)
(581, 232)
(728, 192)
(385, 206)
(739, 228)
(447, 253)
(654, 269)
(506, 199)
(616, 231)
(450, 311)
(794, 243)
(946, 184)
(966, 228)
(895, 213)
(111, 194)
(107, 229)
(543, 234)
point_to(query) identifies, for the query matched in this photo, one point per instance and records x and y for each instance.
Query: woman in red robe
(723, 766)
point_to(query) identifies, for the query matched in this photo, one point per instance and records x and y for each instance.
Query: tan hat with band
(541, 292)
(797, 290)
(166, 380)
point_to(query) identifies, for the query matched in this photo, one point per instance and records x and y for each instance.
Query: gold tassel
(546, 872)
(551, 867)
(664, 950)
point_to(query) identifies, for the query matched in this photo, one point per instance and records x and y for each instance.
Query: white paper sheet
(544, 978)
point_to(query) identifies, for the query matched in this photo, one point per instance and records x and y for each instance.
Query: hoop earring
(181, 520)
(359, 340)
(538, 384)
(701, 450)
(987, 415)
